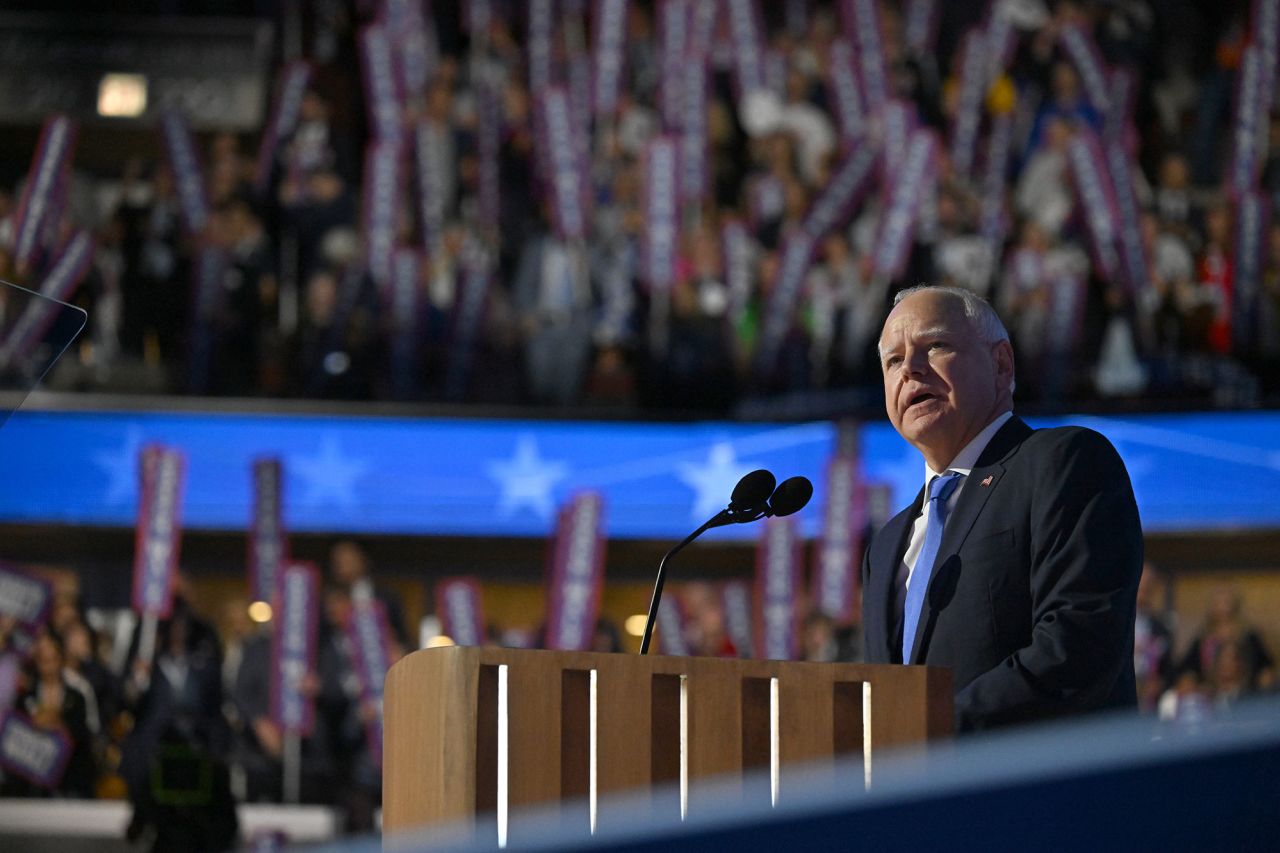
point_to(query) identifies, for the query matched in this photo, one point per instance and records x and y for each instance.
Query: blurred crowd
(187, 730)
(569, 322)
(199, 707)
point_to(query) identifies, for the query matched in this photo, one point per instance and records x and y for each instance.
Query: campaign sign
(24, 598)
(1084, 54)
(843, 93)
(458, 604)
(610, 44)
(898, 119)
(370, 638)
(541, 26)
(381, 206)
(159, 530)
(843, 192)
(381, 87)
(268, 547)
(430, 150)
(695, 175)
(920, 27)
(1092, 181)
(558, 153)
(661, 212)
(1132, 247)
(973, 88)
(283, 120)
(37, 755)
(672, 36)
(898, 223)
(1246, 159)
(703, 19)
(188, 176)
(1252, 219)
(416, 48)
(777, 581)
(735, 596)
(577, 574)
(992, 218)
(745, 30)
(293, 648)
(840, 551)
(861, 19)
(48, 168)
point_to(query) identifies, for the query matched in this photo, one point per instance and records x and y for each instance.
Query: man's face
(942, 383)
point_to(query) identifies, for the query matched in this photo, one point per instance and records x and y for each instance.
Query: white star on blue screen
(121, 467)
(329, 476)
(526, 480)
(713, 480)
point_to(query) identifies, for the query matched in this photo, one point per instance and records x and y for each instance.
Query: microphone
(753, 498)
(790, 497)
(749, 501)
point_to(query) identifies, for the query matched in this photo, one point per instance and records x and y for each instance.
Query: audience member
(1248, 665)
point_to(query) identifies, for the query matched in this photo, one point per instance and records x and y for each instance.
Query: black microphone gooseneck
(749, 501)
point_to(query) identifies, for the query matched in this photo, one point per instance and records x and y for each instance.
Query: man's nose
(916, 362)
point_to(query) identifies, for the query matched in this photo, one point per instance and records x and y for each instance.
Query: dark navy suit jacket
(1031, 603)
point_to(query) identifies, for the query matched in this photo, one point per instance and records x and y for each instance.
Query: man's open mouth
(922, 397)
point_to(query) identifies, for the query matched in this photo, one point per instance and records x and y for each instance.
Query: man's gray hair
(980, 313)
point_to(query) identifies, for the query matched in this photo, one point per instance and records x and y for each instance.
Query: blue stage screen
(507, 477)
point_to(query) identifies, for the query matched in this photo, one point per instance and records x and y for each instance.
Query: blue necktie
(939, 490)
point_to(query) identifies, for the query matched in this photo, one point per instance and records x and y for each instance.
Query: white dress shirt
(963, 463)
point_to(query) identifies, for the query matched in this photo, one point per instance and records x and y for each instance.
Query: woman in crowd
(54, 705)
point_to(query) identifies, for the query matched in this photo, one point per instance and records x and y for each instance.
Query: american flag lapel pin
(989, 478)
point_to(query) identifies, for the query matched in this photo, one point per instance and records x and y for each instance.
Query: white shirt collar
(969, 454)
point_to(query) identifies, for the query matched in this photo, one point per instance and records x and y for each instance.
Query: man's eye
(893, 361)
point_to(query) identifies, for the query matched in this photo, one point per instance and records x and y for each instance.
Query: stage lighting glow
(635, 624)
(260, 611)
(440, 641)
(122, 95)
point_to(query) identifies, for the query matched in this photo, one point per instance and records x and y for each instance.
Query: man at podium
(1017, 564)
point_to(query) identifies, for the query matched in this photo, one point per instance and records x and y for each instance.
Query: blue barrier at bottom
(1117, 783)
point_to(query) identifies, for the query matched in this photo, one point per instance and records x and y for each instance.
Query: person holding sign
(1017, 564)
(55, 706)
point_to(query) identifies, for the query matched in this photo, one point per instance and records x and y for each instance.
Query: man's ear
(1004, 366)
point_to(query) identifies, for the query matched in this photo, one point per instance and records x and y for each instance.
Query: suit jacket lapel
(886, 554)
(978, 487)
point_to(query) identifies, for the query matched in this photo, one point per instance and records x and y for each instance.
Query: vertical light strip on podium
(502, 755)
(684, 746)
(866, 735)
(774, 752)
(595, 751)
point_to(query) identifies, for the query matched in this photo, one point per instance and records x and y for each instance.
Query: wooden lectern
(470, 731)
